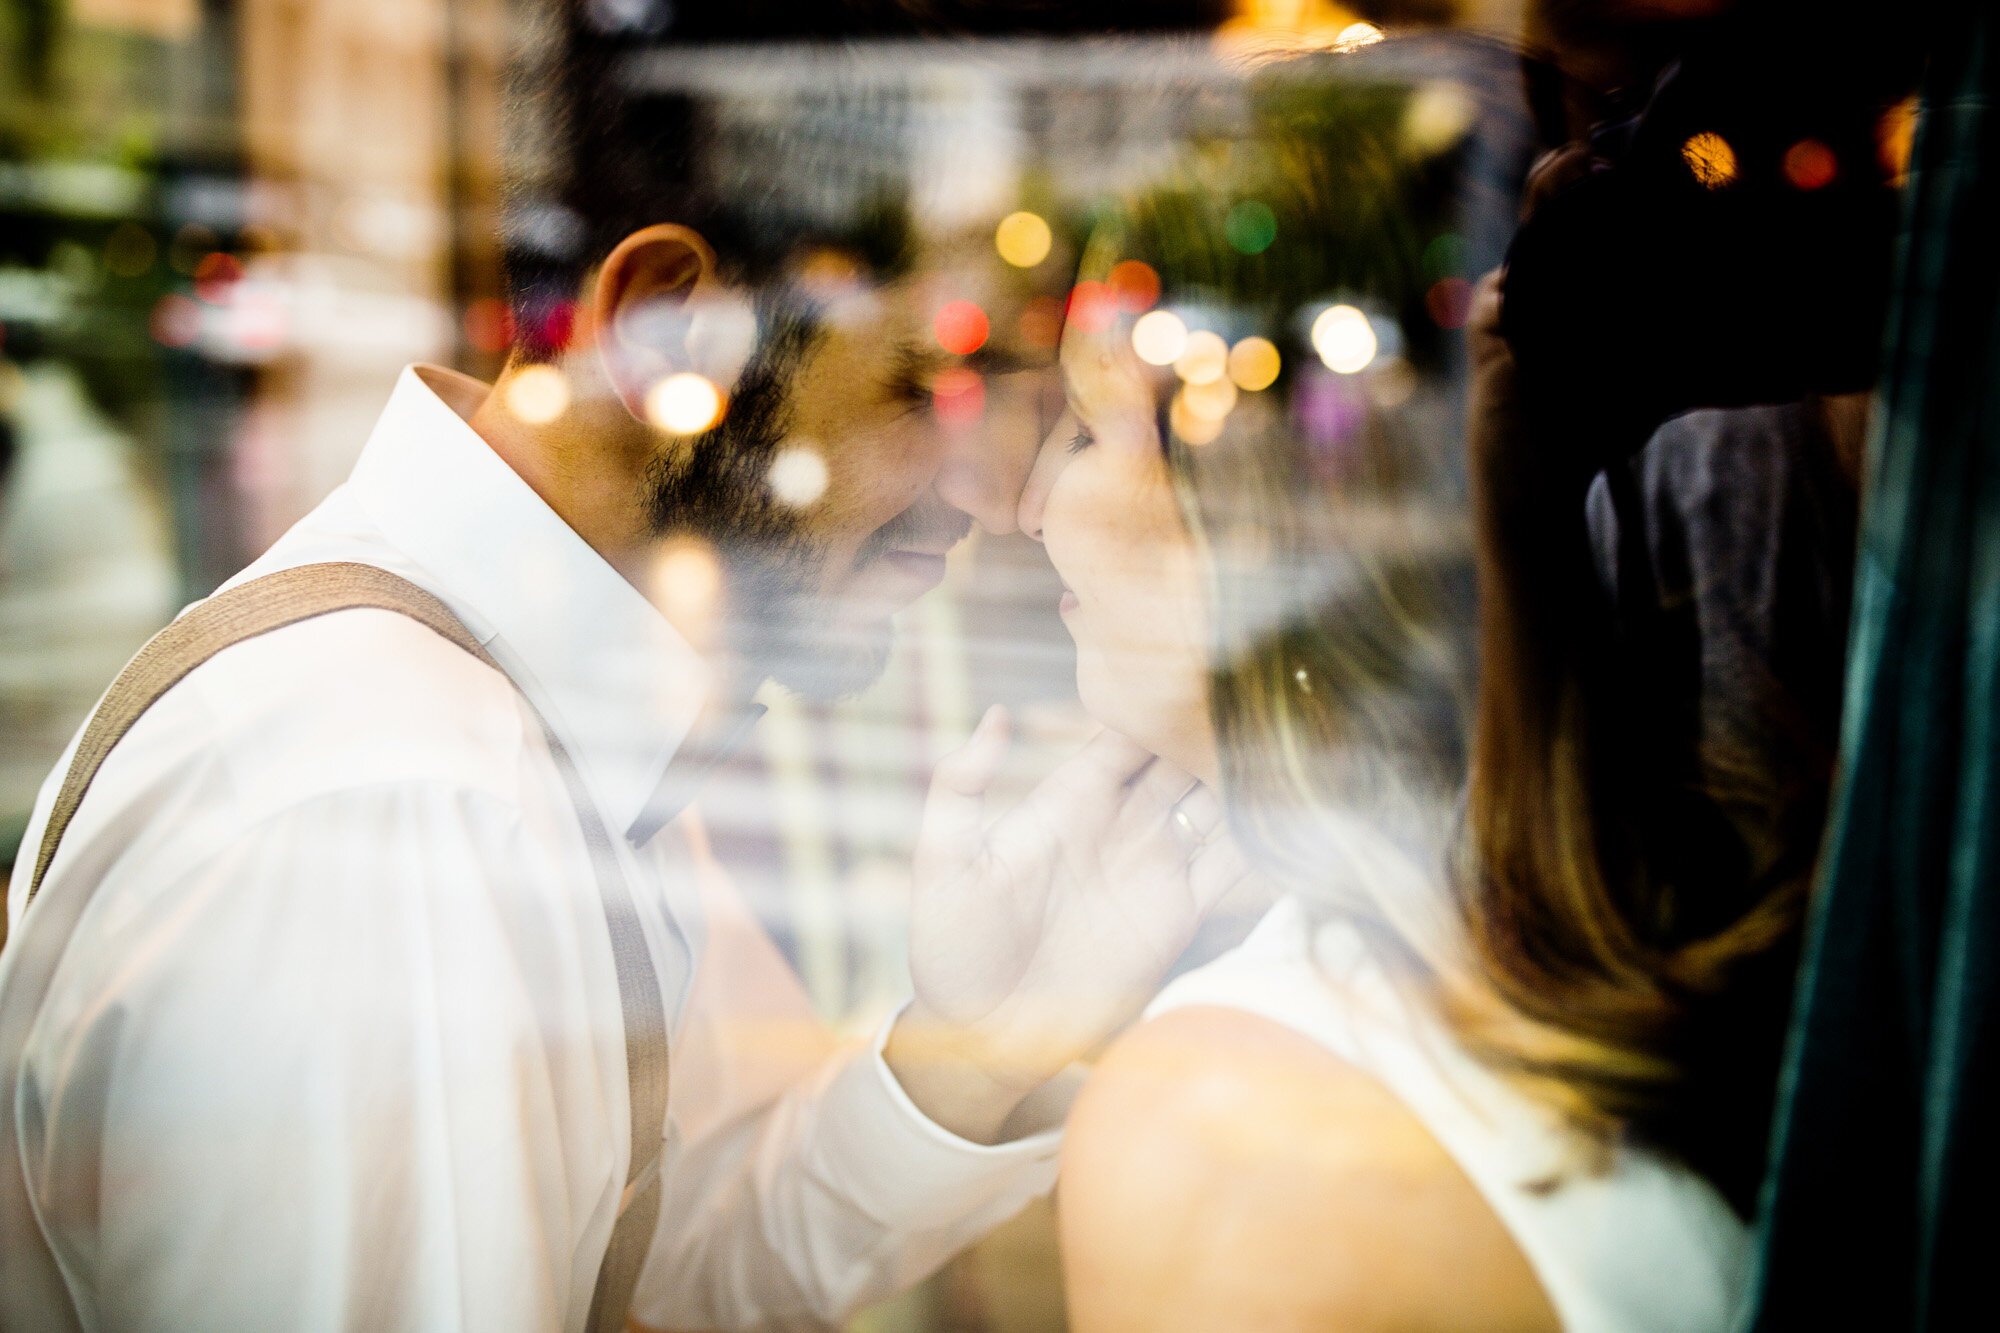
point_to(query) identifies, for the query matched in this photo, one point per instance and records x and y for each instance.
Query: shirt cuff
(908, 1172)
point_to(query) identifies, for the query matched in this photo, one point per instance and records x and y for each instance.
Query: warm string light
(684, 404)
(1710, 159)
(1810, 165)
(1344, 339)
(1023, 239)
(960, 327)
(1159, 337)
(1254, 364)
(1204, 359)
(537, 394)
(798, 475)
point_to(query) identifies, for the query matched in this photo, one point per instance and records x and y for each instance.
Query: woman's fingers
(1218, 867)
(1197, 818)
(1149, 800)
(955, 810)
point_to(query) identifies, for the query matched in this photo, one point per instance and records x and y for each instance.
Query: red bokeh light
(176, 321)
(1810, 165)
(958, 395)
(1137, 285)
(1449, 302)
(558, 325)
(1041, 320)
(1092, 306)
(215, 275)
(489, 325)
(960, 327)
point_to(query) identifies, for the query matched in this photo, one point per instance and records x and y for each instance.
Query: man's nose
(982, 492)
(986, 468)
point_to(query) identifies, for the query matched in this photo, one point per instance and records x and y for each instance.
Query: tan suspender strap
(292, 595)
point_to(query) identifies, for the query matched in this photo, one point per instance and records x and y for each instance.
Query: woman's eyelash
(1082, 440)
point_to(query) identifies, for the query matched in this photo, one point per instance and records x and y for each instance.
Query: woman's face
(1101, 500)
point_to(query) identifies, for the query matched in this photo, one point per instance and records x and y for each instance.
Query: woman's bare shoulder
(1224, 1171)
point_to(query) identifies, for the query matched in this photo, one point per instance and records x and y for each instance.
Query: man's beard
(716, 489)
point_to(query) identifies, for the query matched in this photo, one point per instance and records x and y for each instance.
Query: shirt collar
(620, 686)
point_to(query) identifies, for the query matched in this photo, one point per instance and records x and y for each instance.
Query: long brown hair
(1365, 669)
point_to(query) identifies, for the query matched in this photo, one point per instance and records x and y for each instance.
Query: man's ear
(644, 304)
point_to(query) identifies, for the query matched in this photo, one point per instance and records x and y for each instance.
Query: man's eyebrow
(914, 364)
(991, 360)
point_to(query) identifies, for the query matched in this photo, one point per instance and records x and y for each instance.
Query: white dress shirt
(337, 1042)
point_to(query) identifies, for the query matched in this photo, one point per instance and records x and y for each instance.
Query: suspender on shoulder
(286, 598)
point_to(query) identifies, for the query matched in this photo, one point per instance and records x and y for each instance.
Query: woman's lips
(1068, 603)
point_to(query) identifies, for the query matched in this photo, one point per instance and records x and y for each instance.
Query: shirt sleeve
(803, 1183)
(315, 1082)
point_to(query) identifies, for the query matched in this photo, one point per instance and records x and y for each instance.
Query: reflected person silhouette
(1326, 1127)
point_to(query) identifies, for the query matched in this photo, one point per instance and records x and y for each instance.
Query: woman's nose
(1035, 494)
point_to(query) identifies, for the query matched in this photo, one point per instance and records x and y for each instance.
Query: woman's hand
(1034, 940)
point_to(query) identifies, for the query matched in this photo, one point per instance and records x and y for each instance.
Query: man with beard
(377, 982)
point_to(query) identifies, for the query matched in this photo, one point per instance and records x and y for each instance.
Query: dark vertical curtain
(1878, 1210)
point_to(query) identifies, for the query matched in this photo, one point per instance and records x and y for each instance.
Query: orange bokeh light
(961, 327)
(489, 324)
(958, 395)
(1810, 165)
(1092, 306)
(216, 275)
(1137, 285)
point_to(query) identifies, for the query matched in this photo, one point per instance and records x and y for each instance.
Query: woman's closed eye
(1082, 440)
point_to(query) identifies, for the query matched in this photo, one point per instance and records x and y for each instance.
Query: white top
(1646, 1247)
(338, 1041)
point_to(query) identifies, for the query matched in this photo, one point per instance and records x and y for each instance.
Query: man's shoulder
(357, 697)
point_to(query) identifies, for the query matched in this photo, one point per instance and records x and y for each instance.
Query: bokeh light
(958, 396)
(1190, 425)
(687, 582)
(1023, 239)
(1437, 117)
(489, 324)
(176, 320)
(1810, 165)
(1137, 285)
(1214, 398)
(684, 404)
(537, 394)
(1204, 359)
(1444, 257)
(1159, 337)
(1251, 227)
(1254, 363)
(1710, 159)
(130, 250)
(1092, 306)
(1356, 35)
(216, 275)
(798, 475)
(1344, 339)
(1449, 302)
(1895, 136)
(558, 324)
(960, 327)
